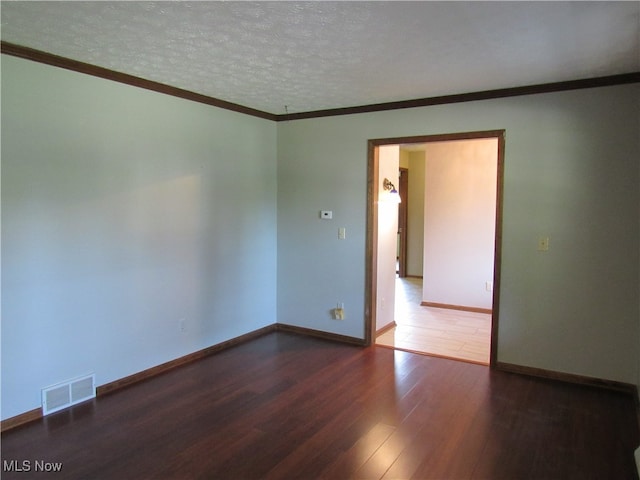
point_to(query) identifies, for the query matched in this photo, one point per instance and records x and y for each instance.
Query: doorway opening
(379, 310)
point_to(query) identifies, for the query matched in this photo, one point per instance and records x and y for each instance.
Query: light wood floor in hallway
(436, 331)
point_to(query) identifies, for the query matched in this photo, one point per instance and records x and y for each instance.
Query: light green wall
(124, 211)
(571, 173)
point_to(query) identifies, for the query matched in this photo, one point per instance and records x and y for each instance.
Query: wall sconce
(392, 193)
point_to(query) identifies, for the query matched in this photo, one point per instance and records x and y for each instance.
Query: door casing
(371, 249)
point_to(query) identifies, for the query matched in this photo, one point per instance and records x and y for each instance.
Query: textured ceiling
(321, 55)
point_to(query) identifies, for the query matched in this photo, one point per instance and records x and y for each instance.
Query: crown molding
(88, 69)
(611, 80)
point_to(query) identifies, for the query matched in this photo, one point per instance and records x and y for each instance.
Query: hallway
(436, 331)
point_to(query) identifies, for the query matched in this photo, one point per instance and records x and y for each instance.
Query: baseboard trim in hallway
(386, 328)
(456, 307)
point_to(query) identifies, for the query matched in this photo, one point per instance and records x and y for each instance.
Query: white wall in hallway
(389, 156)
(459, 222)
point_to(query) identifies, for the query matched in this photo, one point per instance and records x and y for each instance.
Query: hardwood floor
(436, 331)
(285, 406)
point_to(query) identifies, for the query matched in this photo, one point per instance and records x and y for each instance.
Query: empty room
(192, 201)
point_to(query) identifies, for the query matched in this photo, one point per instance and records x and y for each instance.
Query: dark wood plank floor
(286, 406)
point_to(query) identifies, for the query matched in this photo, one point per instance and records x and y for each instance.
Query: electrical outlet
(182, 325)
